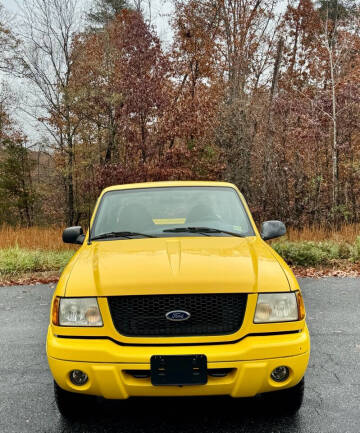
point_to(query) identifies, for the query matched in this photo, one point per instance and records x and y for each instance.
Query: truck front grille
(210, 314)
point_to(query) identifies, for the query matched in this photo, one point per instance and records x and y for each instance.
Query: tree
(16, 190)
(105, 11)
(120, 82)
(248, 92)
(5, 123)
(47, 62)
(337, 9)
(228, 44)
(340, 23)
(197, 89)
(140, 122)
(8, 42)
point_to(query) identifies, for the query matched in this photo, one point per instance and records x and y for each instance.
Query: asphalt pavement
(332, 393)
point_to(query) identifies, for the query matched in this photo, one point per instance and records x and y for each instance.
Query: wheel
(287, 401)
(72, 405)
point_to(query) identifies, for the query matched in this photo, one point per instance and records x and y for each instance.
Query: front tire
(72, 405)
(287, 401)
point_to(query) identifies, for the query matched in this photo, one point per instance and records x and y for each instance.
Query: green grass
(307, 253)
(17, 261)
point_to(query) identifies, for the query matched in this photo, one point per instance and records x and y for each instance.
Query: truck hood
(175, 265)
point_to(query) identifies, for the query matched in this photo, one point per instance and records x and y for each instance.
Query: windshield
(171, 211)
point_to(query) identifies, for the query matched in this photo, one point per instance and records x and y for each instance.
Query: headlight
(78, 312)
(279, 307)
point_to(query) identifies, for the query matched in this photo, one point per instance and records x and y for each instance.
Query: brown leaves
(31, 279)
(344, 270)
(176, 163)
(142, 120)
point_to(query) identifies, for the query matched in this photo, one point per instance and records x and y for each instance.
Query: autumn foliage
(246, 92)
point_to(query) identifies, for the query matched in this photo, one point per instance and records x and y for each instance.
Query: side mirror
(73, 235)
(272, 229)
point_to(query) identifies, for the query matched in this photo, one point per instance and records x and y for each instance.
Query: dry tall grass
(49, 238)
(347, 233)
(33, 238)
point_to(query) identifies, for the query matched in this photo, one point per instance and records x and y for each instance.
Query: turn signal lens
(55, 311)
(93, 316)
(300, 305)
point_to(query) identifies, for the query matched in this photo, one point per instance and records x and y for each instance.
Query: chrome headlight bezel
(79, 312)
(277, 307)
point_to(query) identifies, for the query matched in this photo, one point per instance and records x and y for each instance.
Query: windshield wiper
(202, 230)
(128, 235)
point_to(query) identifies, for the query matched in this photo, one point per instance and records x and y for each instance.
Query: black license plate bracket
(178, 370)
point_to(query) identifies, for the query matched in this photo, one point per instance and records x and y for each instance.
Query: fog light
(279, 374)
(78, 377)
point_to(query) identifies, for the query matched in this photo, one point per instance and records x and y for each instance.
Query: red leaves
(177, 163)
(141, 121)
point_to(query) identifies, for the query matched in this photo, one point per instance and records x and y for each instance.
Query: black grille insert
(145, 316)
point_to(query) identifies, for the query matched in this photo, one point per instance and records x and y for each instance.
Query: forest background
(261, 93)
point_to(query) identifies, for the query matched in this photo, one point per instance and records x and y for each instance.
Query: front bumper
(251, 361)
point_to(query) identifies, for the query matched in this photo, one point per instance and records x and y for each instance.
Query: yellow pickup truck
(174, 292)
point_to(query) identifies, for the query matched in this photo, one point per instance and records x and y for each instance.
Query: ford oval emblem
(178, 315)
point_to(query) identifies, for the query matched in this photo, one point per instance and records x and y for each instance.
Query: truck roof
(168, 184)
